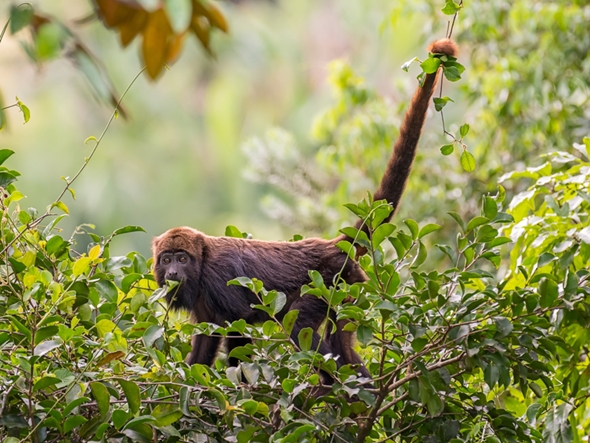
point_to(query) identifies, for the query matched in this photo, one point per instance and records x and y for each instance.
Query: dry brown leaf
(200, 26)
(132, 27)
(117, 355)
(115, 12)
(156, 36)
(160, 44)
(174, 47)
(216, 17)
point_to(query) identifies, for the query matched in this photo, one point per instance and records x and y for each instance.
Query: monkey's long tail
(404, 150)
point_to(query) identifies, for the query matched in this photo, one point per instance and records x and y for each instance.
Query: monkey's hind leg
(204, 350)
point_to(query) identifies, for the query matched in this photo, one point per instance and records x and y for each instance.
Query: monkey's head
(178, 256)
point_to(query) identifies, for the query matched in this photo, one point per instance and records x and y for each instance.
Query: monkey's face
(177, 266)
(174, 265)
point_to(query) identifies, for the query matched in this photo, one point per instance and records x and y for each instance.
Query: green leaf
(549, 292)
(74, 404)
(107, 290)
(347, 248)
(5, 154)
(104, 327)
(73, 422)
(21, 328)
(400, 249)
(413, 226)
(166, 414)
(20, 16)
(475, 222)
(132, 394)
(138, 421)
(288, 385)
(127, 229)
(45, 333)
(364, 334)
(536, 389)
(458, 219)
(430, 65)
(490, 207)
(382, 231)
(102, 397)
(451, 8)
(47, 346)
(304, 338)
(557, 427)
(468, 161)
(447, 149)
(419, 343)
(503, 326)
(491, 375)
(120, 417)
(24, 110)
(451, 73)
(56, 245)
(46, 382)
(251, 372)
(232, 231)
(434, 404)
(152, 333)
(420, 257)
(6, 178)
(81, 266)
(441, 102)
(427, 229)
(464, 130)
(289, 320)
(60, 205)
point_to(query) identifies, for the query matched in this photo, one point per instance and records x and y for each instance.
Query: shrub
(473, 348)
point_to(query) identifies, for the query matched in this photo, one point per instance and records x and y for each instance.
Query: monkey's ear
(155, 246)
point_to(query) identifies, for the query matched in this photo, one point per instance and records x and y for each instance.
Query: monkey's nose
(171, 275)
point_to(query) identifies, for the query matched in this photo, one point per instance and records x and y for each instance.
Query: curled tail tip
(444, 46)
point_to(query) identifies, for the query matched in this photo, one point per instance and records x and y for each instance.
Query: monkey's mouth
(172, 284)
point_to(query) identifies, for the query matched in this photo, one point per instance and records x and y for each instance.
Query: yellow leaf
(62, 206)
(81, 266)
(94, 252)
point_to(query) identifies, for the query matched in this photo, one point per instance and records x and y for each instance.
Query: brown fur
(282, 266)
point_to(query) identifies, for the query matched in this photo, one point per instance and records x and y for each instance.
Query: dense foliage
(457, 353)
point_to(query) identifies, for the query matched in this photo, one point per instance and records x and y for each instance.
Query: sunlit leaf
(467, 161)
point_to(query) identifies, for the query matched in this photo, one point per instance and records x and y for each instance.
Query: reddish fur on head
(179, 239)
(444, 46)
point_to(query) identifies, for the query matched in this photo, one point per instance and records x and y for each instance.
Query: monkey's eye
(182, 259)
(166, 260)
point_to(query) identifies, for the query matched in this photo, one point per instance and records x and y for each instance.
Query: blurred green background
(178, 159)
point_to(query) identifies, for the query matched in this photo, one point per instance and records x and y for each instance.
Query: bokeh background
(178, 159)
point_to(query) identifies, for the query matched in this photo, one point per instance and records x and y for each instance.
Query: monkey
(204, 264)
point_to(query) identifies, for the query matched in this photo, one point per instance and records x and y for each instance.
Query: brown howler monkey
(205, 264)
